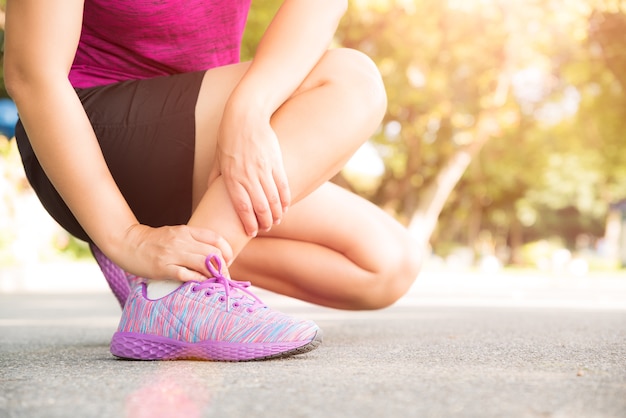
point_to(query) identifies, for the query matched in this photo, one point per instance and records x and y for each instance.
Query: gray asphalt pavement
(455, 346)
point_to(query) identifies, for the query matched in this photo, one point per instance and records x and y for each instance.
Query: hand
(171, 252)
(250, 160)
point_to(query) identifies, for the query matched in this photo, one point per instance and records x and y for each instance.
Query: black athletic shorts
(146, 130)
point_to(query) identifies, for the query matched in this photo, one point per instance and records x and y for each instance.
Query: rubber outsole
(134, 346)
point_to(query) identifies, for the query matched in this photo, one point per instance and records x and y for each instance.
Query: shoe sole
(134, 346)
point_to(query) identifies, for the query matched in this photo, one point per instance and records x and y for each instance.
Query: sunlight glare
(366, 161)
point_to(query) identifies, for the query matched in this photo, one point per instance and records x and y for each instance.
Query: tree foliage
(546, 75)
(510, 112)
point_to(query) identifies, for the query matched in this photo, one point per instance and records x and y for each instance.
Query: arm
(295, 41)
(41, 40)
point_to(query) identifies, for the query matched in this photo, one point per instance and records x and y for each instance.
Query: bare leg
(326, 120)
(334, 249)
(332, 113)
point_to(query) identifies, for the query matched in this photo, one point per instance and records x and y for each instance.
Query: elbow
(22, 82)
(15, 72)
(12, 82)
(17, 80)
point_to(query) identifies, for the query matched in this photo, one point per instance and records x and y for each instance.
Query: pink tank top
(137, 39)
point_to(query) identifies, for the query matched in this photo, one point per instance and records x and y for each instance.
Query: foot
(217, 319)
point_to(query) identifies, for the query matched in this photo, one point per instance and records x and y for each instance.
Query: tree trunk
(434, 195)
(488, 124)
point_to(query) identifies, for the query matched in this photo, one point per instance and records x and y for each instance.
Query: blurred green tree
(504, 116)
(521, 74)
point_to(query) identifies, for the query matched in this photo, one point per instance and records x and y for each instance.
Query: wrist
(248, 103)
(120, 242)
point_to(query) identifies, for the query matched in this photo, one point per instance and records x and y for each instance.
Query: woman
(142, 134)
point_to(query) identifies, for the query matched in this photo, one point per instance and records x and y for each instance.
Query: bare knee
(398, 269)
(356, 68)
(358, 77)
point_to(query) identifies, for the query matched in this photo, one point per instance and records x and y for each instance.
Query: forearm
(297, 37)
(68, 151)
(40, 43)
(41, 40)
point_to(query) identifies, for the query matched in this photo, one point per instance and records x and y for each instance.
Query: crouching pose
(191, 173)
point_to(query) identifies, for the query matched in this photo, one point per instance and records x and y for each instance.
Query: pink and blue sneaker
(216, 319)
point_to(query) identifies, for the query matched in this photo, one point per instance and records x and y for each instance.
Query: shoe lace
(232, 288)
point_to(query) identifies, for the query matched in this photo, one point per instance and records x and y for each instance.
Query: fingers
(173, 252)
(282, 185)
(213, 239)
(193, 271)
(266, 202)
(250, 160)
(262, 203)
(185, 275)
(243, 206)
(190, 261)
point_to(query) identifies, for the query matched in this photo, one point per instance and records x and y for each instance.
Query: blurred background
(503, 148)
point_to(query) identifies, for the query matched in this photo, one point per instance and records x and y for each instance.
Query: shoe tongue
(157, 289)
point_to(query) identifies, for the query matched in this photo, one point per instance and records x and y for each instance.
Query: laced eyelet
(220, 283)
